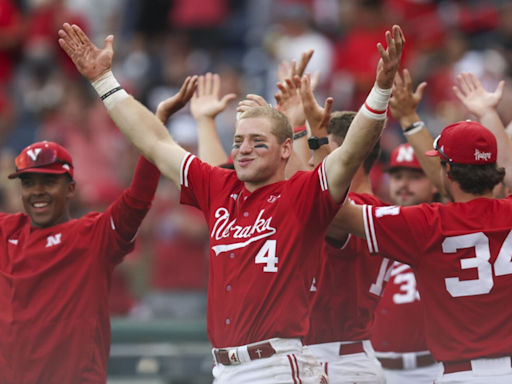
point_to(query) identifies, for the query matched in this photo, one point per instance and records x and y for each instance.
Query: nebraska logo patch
(53, 240)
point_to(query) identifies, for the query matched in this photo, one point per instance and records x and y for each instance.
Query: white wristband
(109, 90)
(376, 104)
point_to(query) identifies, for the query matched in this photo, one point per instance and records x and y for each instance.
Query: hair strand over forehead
(280, 126)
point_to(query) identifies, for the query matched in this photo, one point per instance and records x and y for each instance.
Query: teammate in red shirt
(398, 335)
(348, 284)
(264, 230)
(460, 254)
(55, 272)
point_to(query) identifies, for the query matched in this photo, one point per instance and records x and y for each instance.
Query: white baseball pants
(292, 364)
(356, 368)
(484, 371)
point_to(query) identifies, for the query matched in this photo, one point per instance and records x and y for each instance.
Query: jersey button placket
(228, 288)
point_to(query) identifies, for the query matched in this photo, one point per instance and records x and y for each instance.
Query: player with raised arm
(263, 232)
(55, 272)
(464, 270)
(398, 335)
(349, 282)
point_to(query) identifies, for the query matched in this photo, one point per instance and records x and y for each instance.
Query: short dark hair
(338, 128)
(476, 179)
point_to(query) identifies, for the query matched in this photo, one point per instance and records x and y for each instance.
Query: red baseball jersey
(263, 250)
(54, 284)
(399, 325)
(348, 288)
(461, 256)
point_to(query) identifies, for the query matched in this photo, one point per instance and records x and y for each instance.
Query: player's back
(461, 255)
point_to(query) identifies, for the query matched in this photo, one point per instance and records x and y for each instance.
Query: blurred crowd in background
(159, 42)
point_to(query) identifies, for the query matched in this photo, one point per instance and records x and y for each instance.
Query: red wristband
(299, 129)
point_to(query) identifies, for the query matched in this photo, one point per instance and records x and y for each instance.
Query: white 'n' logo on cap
(405, 154)
(34, 153)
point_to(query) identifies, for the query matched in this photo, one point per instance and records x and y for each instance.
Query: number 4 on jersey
(267, 255)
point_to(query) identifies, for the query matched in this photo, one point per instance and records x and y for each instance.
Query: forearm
(145, 181)
(492, 121)
(343, 163)
(422, 141)
(301, 149)
(209, 145)
(147, 133)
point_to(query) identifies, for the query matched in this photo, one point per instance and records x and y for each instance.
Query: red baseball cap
(403, 156)
(43, 157)
(466, 142)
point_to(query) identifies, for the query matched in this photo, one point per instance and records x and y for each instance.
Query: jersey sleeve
(398, 233)
(310, 198)
(199, 180)
(117, 227)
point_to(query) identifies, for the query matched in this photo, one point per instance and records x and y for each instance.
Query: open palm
(90, 61)
(474, 97)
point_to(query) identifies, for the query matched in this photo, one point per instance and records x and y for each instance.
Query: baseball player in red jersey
(464, 268)
(398, 335)
(55, 272)
(349, 283)
(263, 229)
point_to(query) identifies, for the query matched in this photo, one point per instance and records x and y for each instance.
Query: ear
(448, 169)
(286, 149)
(71, 189)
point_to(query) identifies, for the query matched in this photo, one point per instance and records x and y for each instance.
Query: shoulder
(13, 219)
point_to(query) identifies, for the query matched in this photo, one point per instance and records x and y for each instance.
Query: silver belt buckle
(233, 356)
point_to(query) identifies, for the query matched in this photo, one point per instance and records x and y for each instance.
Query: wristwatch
(315, 142)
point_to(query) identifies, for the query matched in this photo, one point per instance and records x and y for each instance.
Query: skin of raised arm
(205, 106)
(484, 105)
(141, 127)
(403, 106)
(342, 164)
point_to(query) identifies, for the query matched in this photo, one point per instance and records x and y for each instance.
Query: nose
(38, 188)
(246, 147)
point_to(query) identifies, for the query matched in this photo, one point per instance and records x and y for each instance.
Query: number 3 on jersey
(485, 282)
(267, 255)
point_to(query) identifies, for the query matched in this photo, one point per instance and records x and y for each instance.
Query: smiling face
(410, 187)
(258, 157)
(45, 198)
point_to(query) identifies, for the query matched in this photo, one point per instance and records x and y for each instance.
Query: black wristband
(414, 125)
(111, 92)
(298, 135)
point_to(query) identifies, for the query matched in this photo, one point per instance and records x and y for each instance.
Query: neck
(252, 186)
(62, 219)
(361, 183)
(459, 196)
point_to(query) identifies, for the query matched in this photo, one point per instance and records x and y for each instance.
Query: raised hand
(317, 117)
(475, 98)
(252, 101)
(173, 104)
(206, 102)
(290, 102)
(90, 61)
(390, 57)
(404, 101)
(289, 71)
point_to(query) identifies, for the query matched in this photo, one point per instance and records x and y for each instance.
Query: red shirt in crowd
(461, 256)
(263, 250)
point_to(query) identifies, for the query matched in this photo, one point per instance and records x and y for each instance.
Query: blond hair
(280, 126)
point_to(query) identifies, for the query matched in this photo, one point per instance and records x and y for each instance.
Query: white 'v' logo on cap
(34, 153)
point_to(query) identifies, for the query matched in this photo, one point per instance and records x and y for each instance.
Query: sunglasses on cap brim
(441, 152)
(39, 157)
